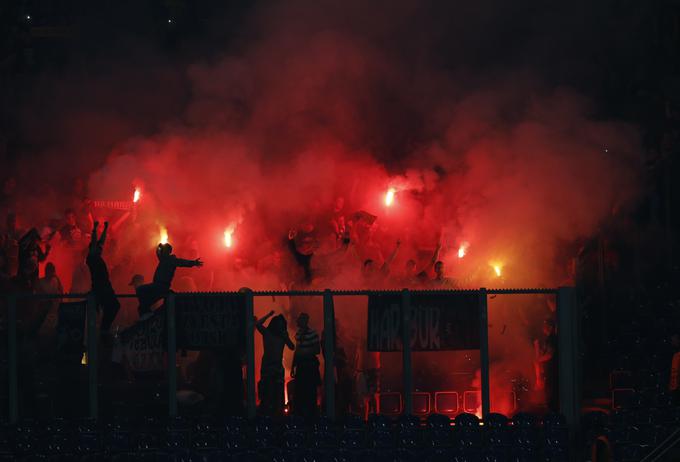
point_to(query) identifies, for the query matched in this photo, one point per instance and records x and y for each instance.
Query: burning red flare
(389, 197)
(462, 250)
(228, 241)
(163, 236)
(137, 195)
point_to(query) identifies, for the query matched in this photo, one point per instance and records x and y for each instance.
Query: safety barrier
(567, 323)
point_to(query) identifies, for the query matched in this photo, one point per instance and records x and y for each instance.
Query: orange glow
(497, 268)
(163, 236)
(137, 195)
(228, 241)
(389, 197)
(462, 250)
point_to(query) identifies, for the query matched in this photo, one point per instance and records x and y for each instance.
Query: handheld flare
(389, 197)
(163, 236)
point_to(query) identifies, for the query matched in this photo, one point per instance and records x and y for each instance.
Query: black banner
(71, 329)
(438, 322)
(144, 343)
(210, 321)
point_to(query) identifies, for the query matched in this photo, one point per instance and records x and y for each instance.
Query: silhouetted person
(104, 295)
(70, 232)
(440, 280)
(168, 263)
(305, 369)
(373, 276)
(302, 244)
(423, 276)
(30, 256)
(343, 373)
(272, 375)
(547, 361)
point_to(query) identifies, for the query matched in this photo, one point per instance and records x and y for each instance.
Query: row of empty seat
(292, 438)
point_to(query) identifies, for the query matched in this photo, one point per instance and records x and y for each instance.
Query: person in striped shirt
(305, 369)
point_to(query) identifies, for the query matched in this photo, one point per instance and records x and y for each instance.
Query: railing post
(12, 359)
(407, 366)
(92, 359)
(484, 351)
(251, 405)
(329, 353)
(569, 371)
(172, 353)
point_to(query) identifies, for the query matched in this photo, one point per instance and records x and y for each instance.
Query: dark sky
(69, 54)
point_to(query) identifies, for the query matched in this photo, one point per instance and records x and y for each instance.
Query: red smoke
(321, 100)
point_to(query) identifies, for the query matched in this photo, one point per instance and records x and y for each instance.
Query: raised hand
(198, 262)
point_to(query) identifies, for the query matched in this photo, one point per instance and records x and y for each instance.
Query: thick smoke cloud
(317, 100)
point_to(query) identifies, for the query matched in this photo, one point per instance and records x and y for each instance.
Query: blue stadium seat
(380, 439)
(409, 439)
(234, 441)
(352, 440)
(293, 423)
(293, 440)
(408, 422)
(438, 421)
(323, 424)
(353, 422)
(322, 440)
(379, 422)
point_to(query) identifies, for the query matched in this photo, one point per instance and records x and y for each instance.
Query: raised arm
(102, 236)
(183, 263)
(259, 323)
(386, 266)
(433, 260)
(93, 235)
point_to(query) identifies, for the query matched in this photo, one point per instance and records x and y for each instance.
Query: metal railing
(566, 324)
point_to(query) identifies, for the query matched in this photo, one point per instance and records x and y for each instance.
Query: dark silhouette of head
(278, 325)
(70, 217)
(164, 250)
(439, 269)
(303, 321)
(50, 270)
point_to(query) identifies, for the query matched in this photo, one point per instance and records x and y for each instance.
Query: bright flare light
(389, 197)
(462, 250)
(163, 235)
(137, 195)
(227, 237)
(497, 268)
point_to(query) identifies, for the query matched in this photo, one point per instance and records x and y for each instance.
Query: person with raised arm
(272, 375)
(104, 295)
(168, 263)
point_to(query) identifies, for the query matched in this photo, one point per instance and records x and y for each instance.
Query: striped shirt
(306, 342)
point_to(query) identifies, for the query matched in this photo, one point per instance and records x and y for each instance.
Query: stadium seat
(446, 402)
(438, 421)
(378, 422)
(352, 440)
(293, 440)
(322, 440)
(353, 422)
(380, 439)
(408, 422)
(421, 403)
(391, 403)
